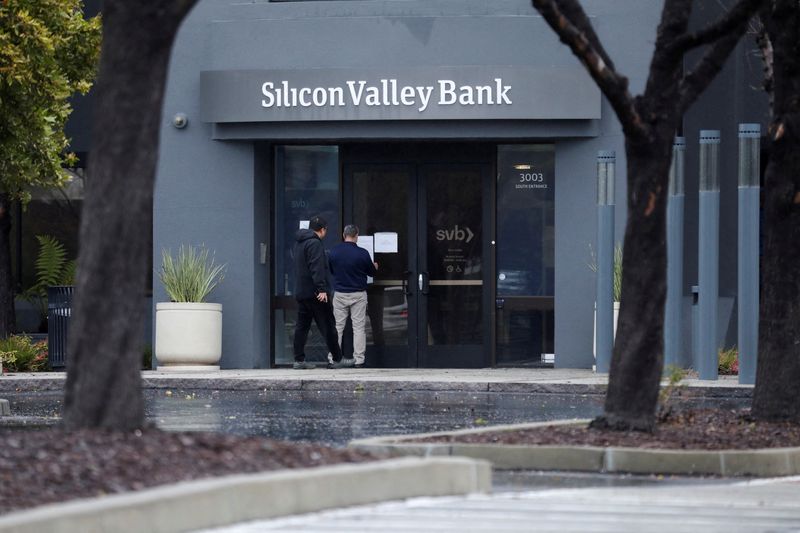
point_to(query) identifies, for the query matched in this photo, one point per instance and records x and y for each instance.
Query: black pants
(322, 313)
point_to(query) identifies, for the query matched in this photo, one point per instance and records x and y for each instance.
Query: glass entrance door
(428, 304)
(377, 199)
(451, 267)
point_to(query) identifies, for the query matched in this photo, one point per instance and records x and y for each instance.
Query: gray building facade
(461, 136)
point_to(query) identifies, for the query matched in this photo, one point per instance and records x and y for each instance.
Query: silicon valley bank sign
(426, 93)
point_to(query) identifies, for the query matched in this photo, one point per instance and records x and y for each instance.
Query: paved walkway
(768, 505)
(470, 378)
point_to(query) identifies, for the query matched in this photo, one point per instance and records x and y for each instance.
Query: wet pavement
(331, 417)
(335, 417)
(336, 407)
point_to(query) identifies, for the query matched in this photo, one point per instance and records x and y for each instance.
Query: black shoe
(359, 365)
(302, 365)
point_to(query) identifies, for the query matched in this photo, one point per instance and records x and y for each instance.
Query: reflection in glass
(380, 203)
(525, 252)
(306, 184)
(454, 207)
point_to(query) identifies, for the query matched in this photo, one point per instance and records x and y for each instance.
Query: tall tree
(48, 52)
(105, 346)
(778, 372)
(649, 122)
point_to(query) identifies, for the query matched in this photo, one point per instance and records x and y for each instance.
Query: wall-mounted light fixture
(180, 120)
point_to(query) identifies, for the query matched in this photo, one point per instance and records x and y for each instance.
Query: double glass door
(428, 305)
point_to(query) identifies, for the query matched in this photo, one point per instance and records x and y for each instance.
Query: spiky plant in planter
(188, 330)
(191, 276)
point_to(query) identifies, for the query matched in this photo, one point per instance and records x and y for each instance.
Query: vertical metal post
(673, 315)
(749, 191)
(606, 161)
(708, 254)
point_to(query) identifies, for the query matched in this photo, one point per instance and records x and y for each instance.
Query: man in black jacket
(313, 295)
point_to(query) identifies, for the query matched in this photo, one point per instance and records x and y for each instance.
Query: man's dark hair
(317, 223)
(350, 230)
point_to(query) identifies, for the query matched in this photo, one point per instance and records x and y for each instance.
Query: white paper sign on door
(304, 224)
(386, 242)
(367, 242)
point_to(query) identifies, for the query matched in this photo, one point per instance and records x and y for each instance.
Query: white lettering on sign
(387, 93)
(455, 234)
(531, 180)
(530, 176)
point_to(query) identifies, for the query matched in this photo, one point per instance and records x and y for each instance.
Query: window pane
(455, 260)
(525, 252)
(525, 220)
(387, 307)
(306, 184)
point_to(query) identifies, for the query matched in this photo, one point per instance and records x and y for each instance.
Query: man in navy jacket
(350, 266)
(313, 295)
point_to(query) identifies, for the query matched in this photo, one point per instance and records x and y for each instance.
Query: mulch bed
(699, 429)
(47, 466)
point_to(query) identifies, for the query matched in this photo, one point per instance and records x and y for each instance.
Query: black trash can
(59, 310)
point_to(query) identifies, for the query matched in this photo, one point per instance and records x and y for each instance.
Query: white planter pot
(188, 336)
(594, 328)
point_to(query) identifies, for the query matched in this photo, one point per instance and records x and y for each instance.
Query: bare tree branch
(741, 12)
(666, 68)
(767, 56)
(569, 21)
(574, 12)
(696, 81)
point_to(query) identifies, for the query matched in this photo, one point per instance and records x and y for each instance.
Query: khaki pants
(355, 305)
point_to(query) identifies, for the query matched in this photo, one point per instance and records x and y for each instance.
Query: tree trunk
(637, 362)
(6, 283)
(778, 372)
(106, 335)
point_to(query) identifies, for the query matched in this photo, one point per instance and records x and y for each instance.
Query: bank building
(460, 135)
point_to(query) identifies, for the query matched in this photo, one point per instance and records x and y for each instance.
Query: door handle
(419, 282)
(405, 283)
(424, 283)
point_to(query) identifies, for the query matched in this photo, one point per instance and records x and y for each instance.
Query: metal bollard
(672, 314)
(749, 193)
(708, 254)
(606, 161)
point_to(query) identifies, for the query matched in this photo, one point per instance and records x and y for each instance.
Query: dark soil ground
(708, 429)
(48, 466)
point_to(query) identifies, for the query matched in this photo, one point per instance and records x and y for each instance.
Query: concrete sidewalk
(526, 380)
(762, 505)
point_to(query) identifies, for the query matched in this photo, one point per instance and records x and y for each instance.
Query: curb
(762, 462)
(55, 382)
(233, 499)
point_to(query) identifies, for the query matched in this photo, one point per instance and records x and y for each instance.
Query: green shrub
(191, 276)
(20, 354)
(729, 361)
(52, 268)
(666, 396)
